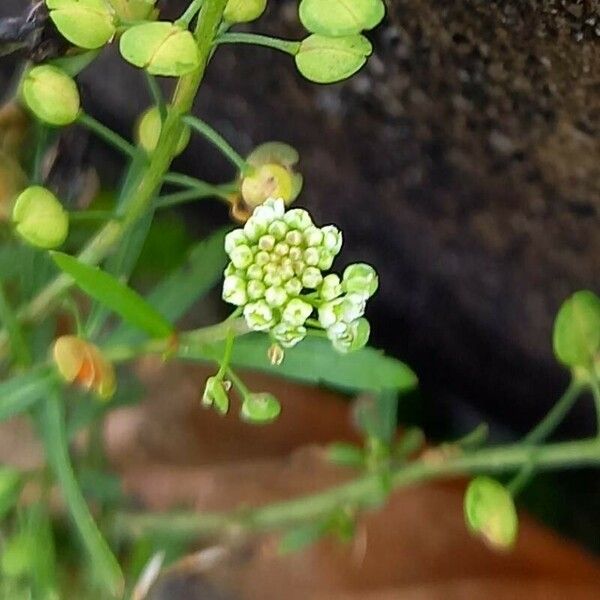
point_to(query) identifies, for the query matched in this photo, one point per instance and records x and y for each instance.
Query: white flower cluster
(276, 275)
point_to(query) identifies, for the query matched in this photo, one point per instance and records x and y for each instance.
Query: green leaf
(576, 336)
(178, 292)
(20, 393)
(11, 484)
(112, 293)
(56, 444)
(315, 361)
(340, 17)
(490, 513)
(324, 59)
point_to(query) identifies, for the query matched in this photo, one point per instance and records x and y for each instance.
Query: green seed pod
(134, 10)
(260, 408)
(88, 24)
(40, 218)
(149, 128)
(267, 181)
(325, 59)
(490, 512)
(244, 11)
(576, 336)
(340, 17)
(162, 48)
(51, 95)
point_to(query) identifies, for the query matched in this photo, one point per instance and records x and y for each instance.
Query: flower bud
(81, 362)
(215, 394)
(162, 48)
(255, 289)
(51, 95)
(276, 296)
(298, 218)
(331, 287)
(259, 316)
(354, 337)
(241, 257)
(311, 278)
(244, 11)
(287, 335)
(234, 290)
(296, 312)
(234, 238)
(88, 24)
(360, 278)
(332, 239)
(40, 218)
(490, 513)
(293, 287)
(260, 408)
(149, 129)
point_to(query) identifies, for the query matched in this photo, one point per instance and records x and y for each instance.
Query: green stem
(18, 345)
(595, 386)
(217, 140)
(238, 383)
(363, 491)
(287, 46)
(191, 11)
(108, 135)
(151, 177)
(55, 438)
(224, 365)
(542, 431)
(156, 95)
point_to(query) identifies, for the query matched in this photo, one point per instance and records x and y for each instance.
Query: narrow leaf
(115, 295)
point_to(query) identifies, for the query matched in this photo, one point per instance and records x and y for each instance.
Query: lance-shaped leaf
(120, 298)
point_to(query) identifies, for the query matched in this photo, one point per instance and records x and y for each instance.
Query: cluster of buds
(277, 274)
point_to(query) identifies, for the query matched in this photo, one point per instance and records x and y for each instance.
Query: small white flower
(255, 289)
(234, 290)
(332, 238)
(288, 336)
(235, 238)
(259, 316)
(329, 312)
(313, 236)
(354, 337)
(331, 287)
(276, 296)
(293, 287)
(241, 257)
(296, 312)
(311, 278)
(360, 278)
(298, 218)
(353, 307)
(278, 229)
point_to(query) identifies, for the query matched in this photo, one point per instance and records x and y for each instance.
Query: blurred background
(464, 163)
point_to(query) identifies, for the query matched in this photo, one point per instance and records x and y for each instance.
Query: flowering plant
(60, 339)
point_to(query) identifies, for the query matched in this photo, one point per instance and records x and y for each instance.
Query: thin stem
(55, 437)
(362, 491)
(156, 95)
(288, 46)
(40, 149)
(19, 347)
(191, 11)
(226, 355)
(108, 135)
(542, 431)
(217, 140)
(595, 386)
(185, 180)
(238, 383)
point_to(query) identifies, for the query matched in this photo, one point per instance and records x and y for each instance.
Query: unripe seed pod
(162, 48)
(244, 11)
(267, 181)
(40, 218)
(88, 24)
(51, 95)
(260, 408)
(149, 128)
(134, 10)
